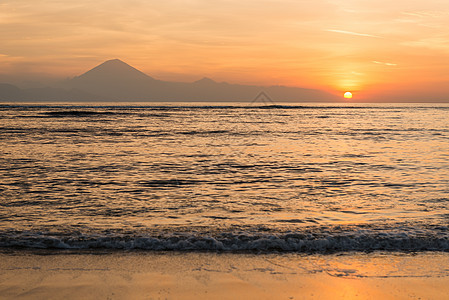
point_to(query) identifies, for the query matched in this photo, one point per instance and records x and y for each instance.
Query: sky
(379, 50)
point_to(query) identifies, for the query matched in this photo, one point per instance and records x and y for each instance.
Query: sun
(348, 95)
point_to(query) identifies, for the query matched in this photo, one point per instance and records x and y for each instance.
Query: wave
(77, 113)
(75, 108)
(356, 241)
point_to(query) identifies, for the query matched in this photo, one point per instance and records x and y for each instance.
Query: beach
(224, 150)
(175, 275)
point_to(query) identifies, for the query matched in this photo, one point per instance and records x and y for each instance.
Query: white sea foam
(361, 240)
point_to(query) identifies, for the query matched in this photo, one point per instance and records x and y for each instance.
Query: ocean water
(227, 177)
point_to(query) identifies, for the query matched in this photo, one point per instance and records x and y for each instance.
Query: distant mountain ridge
(115, 80)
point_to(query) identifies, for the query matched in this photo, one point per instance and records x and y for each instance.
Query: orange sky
(382, 50)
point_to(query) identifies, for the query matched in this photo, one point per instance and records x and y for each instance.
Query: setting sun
(348, 95)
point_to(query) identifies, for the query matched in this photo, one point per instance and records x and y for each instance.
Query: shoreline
(205, 275)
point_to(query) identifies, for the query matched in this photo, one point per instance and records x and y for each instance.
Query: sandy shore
(223, 276)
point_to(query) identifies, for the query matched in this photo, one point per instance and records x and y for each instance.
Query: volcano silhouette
(115, 80)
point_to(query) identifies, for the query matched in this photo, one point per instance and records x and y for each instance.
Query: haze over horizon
(380, 51)
(115, 80)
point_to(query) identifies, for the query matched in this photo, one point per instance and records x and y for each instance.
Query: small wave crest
(76, 113)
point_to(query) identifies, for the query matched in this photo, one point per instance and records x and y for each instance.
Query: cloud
(424, 14)
(352, 33)
(440, 43)
(384, 63)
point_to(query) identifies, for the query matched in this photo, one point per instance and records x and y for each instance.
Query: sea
(226, 177)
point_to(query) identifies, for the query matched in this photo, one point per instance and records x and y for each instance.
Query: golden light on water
(348, 95)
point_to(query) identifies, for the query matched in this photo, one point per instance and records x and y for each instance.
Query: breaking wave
(436, 239)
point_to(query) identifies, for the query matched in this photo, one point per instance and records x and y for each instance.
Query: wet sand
(25, 275)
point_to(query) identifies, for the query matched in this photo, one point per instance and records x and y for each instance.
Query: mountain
(115, 80)
(10, 92)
